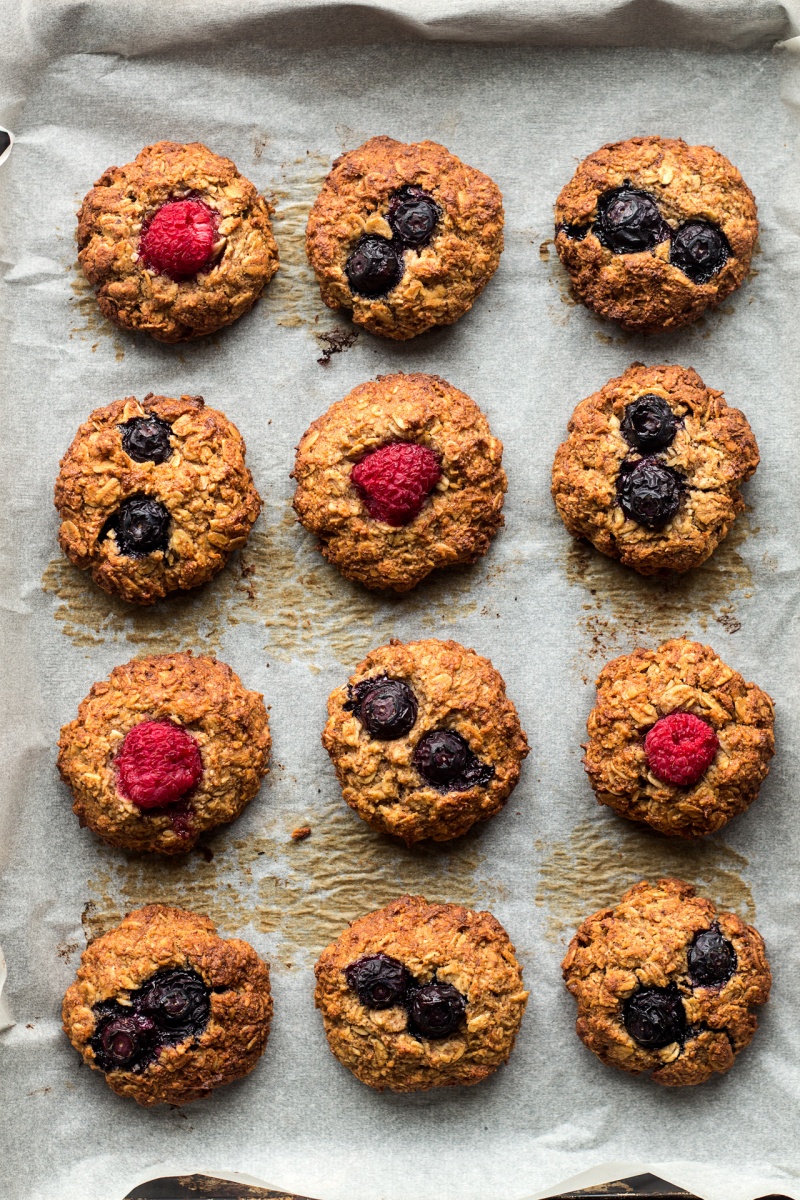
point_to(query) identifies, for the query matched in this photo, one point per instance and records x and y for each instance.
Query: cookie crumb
(300, 834)
(334, 341)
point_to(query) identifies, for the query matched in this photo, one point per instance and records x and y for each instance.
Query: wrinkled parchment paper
(283, 89)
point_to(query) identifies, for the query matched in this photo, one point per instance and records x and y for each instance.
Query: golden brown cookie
(417, 995)
(651, 469)
(167, 748)
(154, 496)
(405, 236)
(654, 232)
(400, 477)
(666, 984)
(677, 739)
(168, 1010)
(177, 243)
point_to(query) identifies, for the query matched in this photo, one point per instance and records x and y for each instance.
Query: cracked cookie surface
(469, 951)
(200, 696)
(239, 1003)
(647, 945)
(433, 283)
(637, 689)
(711, 450)
(116, 214)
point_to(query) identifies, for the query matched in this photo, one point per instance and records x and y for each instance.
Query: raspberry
(179, 239)
(394, 481)
(158, 763)
(680, 748)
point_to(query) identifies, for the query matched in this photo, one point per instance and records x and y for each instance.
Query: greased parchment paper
(283, 91)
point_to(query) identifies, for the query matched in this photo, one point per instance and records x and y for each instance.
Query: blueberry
(444, 759)
(699, 250)
(387, 708)
(649, 492)
(655, 1017)
(629, 220)
(712, 958)
(171, 1006)
(575, 232)
(413, 215)
(125, 1040)
(176, 999)
(374, 267)
(140, 526)
(436, 1010)
(146, 439)
(379, 980)
(649, 423)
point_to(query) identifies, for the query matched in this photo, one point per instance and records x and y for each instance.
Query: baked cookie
(176, 243)
(677, 739)
(417, 995)
(654, 232)
(666, 984)
(405, 236)
(166, 749)
(424, 740)
(399, 478)
(154, 496)
(651, 469)
(167, 1009)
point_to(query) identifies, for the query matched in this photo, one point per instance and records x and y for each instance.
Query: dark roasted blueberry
(436, 1010)
(374, 267)
(378, 980)
(649, 424)
(387, 708)
(140, 526)
(576, 232)
(699, 250)
(444, 758)
(712, 958)
(655, 1017)
(649, 492)
(176, 999)
(126, 1039)
(146, 439)
(413, 215)
(629, 220)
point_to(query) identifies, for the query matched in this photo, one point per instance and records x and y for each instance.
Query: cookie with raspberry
(424, 740)
(677, 739)
(176, 243)
(166, 749)
(166, 1009)
(154, 496)
(417, 995)
(400, 477)
(651, 470)
(666, 983)
(654, 232)
(404, 236)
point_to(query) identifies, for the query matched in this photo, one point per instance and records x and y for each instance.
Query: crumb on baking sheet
(301, 833)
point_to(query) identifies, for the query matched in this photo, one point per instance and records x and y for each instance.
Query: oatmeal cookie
(677, 739)
(654, 232)
(666, 984)
(651, 469)
(405, 236)
(400, 477)
(424, 740)
(167, 1009)
(154, 496)
(417, 995)
(176, 243)
(166, 749)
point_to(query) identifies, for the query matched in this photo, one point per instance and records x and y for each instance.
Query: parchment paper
(283, 91)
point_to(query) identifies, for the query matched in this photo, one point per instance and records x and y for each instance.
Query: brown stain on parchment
(597, 863)
(292, 298)
(91, 325)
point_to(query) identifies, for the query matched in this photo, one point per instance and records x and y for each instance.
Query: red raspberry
(158, 763)
(680, 748)
(394, 481)
(179, 239)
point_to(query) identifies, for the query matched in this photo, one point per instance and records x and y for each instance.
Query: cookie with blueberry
(399, 478)
(665, 983)
(654, 232)
(164, 750)
(154, 496)
(424, 740)
(176, 243)
(166, 1009)
(651, 470)
(417, 995)
(404, 236)
(678, 739)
